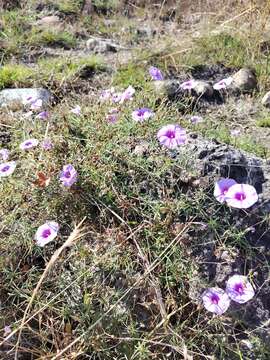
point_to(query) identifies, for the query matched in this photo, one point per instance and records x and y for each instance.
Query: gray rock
(49, 21)
(19, 96)
(166, 87)
(100, 46)
(141, 149)
(245, 80)
(266, 100)
(203, 88)
(146, 31)
(212, 158)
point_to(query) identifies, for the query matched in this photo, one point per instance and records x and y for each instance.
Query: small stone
(146, 31)
(245, 80)
(19, 96)
(100, 46)
(166, 87)
(141, 149)
(203, 88)
(266, 100)
(49, 21)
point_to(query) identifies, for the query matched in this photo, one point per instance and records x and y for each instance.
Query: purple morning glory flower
(4, 153)
(29, 144)
(76, 110)
(195, 119)
(47, 144)
(46, 233)
(107, 94)
(111, 118)
(223, 84)
(142, 114)
(116, 97)
(155, 73)
(216, 300)
(68, 175)
(188, 85)
(239, 289)
(172, 136)
(7, 330)
(43, 115)
(241, 196)
(221, 188)
(7, 168)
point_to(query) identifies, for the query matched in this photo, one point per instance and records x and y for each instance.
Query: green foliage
(135, 206)
(53, 38)
(130, 74)
(15, 75)
(265, 122)
(106, 5)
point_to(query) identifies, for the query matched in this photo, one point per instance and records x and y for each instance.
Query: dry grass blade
(73, 237)
(148, 272)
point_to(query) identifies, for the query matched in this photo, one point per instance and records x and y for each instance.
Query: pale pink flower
(113, 111)
(7, 168)
(216, 300)
(235, 132)
(127, 94)
(7, 330)
(116, 97)
(43, 115)
(46, 233)
(107, 94)
(195, 119)
(221, 188)
(68, 175)
(172, 136)
(241, 196)
(223, 84)
(111, 118)
(139, 115)
(29, 144)
(47, 144)
(188, 85)
(76, 110)
(28, 115)
(36, 104)
(239, 289)
(4, 153)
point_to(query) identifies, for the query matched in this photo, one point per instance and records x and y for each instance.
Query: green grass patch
(68, 68)
(52, 38)
(246, 143)
(263, 122)
(12, 75)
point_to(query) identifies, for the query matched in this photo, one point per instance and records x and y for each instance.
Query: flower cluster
(68, 175)
(112, 96)
(238, 289)
(240, 196)
(117, 97)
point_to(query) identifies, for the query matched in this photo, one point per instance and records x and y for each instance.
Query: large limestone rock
(245, 80)
(8, 97)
